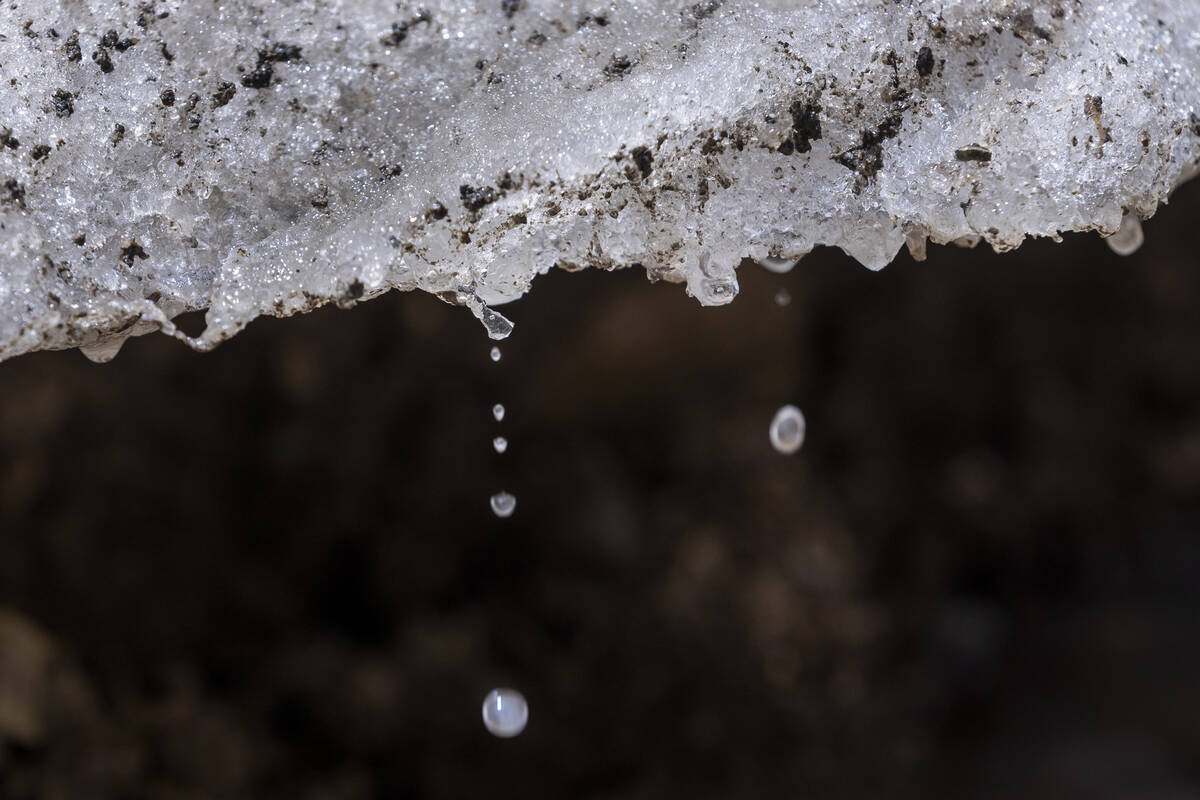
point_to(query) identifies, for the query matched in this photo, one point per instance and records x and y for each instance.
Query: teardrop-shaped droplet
(1128, 238)
(498, 326)
(105, 351)
(495, 354)
(500, 444)
(505, 712)
(498, 412)
(503, 504)
(787, 430)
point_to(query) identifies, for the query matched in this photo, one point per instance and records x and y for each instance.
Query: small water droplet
(505, 712)
(495, 354)
(783, 298)
(718, 291)
(777, 264)
(105, 351)
(503, 504)
(787, 430)
(1128, 238)
(498, 412)
(500, 443)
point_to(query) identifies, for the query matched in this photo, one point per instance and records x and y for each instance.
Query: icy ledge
(266, 158)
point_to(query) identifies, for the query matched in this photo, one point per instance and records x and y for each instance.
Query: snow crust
(253, 158)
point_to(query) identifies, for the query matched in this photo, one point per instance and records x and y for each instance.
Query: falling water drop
(500, 443)
(495, 354)
(505, 712)
(783, 298)
(1128, 238)
(503, 504)
(787, 430)
(498, 412)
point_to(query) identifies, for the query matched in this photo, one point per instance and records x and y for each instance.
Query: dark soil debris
(131, 251)
(399, 32)
(925, 62)
(13, 193)
(806, 124)
(476, 198)
(71, 47)
(867, 158)
(1024, 26)
(1093, 106)
(260, 76)
(64, 103)
(103, 61)
(644, 160)
(973, 152)
(224, 93)
(619, 66)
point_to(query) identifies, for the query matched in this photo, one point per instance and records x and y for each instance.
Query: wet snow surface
(267, 158)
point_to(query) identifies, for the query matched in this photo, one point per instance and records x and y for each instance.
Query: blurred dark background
(271, 571)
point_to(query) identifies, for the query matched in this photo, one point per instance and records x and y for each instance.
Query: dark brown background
(271, 572)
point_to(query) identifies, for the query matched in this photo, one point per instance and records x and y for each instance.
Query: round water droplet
(1128, 238)
(718, 291)
(498, 412)
(500, 443)
(783, 298)
(787, 430)
(503, 504)
(495, 354)
(505, 712)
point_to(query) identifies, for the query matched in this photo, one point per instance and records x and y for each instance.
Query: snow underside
(247, 160)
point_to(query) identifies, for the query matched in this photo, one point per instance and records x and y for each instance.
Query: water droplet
(787, 430)
(498, 412)
(498, 326)
(718, 291)
(915, 238)
(783, 298)
(505, 712)
(495, 354)
(500, 443)
(1128, 238)
(105, 351)
(777, 264)
(503, 504)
